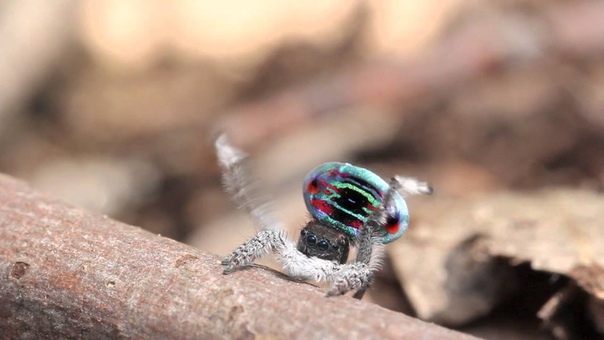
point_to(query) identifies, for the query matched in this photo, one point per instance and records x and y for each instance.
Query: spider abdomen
(343, 196)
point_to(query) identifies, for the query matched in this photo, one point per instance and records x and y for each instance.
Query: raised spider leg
(271, 237)
(359, 275)
(237, 183)
(410, 186)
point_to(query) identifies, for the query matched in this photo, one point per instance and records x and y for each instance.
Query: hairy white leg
(261, 244)
(294, 263)
(301, 266)
(367, 240)
(359, 275)
(271, 237)
(351, 276)
(342, 277)
(237, 183)
(411, 186)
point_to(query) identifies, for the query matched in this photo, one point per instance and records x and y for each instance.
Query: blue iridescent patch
(343, 196)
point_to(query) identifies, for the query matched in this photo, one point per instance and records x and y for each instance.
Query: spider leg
(295, 263)
(410, 186)
(237, 182)
(359, 275)
(355, 276)
(342, 277)
(259, 245)
(301, 266)
(271, 237)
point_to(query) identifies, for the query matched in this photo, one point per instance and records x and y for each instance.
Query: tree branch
(69, 273)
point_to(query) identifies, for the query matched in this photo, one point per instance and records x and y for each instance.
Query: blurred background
(113, 106)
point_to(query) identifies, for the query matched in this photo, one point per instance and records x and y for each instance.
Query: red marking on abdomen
(313, 186)
(357, 224)
(392, 228)
(334, 173)
(322, 205)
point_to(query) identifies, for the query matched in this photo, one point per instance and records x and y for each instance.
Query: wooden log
(66, 273)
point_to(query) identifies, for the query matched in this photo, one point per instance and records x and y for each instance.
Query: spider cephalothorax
(324, 242)
(349, 205)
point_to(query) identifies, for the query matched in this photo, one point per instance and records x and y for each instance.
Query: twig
(66, 273)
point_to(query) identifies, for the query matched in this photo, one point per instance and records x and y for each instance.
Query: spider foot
(229, 268)
(411, 186)
(234, 261)
(359, 294)
(227, 271)
(356, 276)
(250, 250)
(227, 264)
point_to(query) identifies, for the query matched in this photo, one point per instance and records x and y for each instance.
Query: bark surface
(66, 273)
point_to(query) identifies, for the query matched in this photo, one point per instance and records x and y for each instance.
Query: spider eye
(303, 232)
(335, 246)
(311, 240)
(323, 245)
